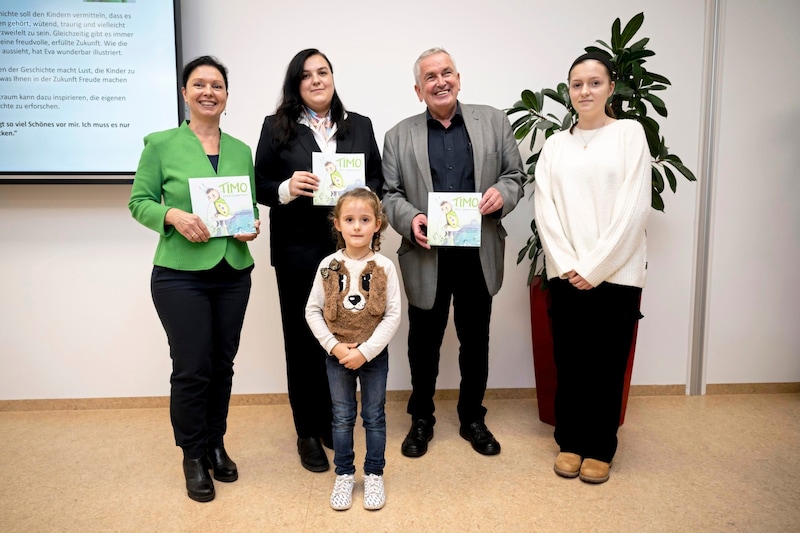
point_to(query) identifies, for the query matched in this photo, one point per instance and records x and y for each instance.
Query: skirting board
(391, 396)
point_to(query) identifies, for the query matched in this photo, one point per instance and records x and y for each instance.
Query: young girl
(354, 310)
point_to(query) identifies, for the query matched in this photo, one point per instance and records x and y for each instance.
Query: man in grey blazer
(451, 147)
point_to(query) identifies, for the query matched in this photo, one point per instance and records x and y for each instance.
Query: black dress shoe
(224, 468)
(416, 442)
(312, 456)
(198, 482)
(481, 438)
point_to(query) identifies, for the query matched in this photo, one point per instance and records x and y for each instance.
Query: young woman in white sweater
(592, 198)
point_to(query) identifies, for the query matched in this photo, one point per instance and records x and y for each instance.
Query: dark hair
(371, 198)
(606, 62)
(290, 107)
(205, 61)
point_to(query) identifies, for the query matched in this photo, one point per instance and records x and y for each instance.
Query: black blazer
(300, 234)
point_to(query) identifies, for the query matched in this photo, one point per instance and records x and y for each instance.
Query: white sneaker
(342, 494)
(374, 496)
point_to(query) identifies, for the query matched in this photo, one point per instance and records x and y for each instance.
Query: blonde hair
(370, 198)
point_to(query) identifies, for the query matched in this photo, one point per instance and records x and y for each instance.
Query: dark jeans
(372, 376)
(202, 314)
(460, 277)
(592, 334)
(306, 374)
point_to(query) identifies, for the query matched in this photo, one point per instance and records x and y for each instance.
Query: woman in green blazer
(200, 285)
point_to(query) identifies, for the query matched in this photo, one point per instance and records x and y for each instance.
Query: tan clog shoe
(594, 471)
(567, 464)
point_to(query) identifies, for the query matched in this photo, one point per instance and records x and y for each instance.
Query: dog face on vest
(354, 301)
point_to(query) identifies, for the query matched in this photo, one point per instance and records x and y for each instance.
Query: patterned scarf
(322, 125)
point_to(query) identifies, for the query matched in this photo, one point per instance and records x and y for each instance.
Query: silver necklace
(344, 251)
(585, 142)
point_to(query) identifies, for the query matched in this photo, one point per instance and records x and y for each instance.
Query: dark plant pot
(544, 365)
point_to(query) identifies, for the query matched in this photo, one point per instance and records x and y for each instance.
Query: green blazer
(169, 159)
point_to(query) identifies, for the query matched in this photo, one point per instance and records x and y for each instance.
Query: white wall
(78, 320)
(754, 289)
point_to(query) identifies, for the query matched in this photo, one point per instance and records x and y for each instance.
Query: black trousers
(307, 374)
(202, 314)
(460, 277)
(592, 334)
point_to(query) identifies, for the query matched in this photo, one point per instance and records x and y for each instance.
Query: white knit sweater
(591, 205)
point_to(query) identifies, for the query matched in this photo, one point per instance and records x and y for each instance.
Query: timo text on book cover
(454, 219)
(224, 203)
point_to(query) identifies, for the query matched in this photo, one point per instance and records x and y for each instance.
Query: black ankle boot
(224, 468)
(198, 482)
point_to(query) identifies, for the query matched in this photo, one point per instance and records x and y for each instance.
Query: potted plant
(634, 93)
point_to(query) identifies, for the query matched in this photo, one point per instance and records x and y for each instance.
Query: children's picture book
(224, 203)
(454, 219)
(337, 174)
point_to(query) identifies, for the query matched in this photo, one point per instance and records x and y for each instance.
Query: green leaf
(544, 124)
(539, 101)
(521, 120)
(683, 170)
(659, 78)
(663, 151)
(522, 132)
(518, 108)
(673, 183)
(657, 87)
(631, 28)
(657, 179)
(656, 202)
(563, 90)
(529, 100)
(658, 104)
(533, 139)
(595, 49)
(553, 95)
(640, 44)
(615, 36)
(624, 90)
(567, 122)
(636, 55)
(651, 132)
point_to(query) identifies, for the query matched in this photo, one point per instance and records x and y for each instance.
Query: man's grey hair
(427, 53)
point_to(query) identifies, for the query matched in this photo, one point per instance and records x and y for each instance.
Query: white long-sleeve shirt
(591, 205)
(385, 329)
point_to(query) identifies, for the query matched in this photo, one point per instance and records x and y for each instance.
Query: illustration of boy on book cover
(224, 203)
(337, 174)
(454, 219)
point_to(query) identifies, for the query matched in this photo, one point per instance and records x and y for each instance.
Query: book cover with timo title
(337, 173)
(454, 219)
(224, 203)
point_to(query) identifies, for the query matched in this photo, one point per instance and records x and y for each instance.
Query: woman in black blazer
(310, 118)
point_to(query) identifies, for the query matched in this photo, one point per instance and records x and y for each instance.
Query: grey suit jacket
(406, 169)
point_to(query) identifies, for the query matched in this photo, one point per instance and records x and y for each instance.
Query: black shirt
(450, 155)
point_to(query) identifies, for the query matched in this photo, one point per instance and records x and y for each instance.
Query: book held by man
(224, 203)
(454, 219)
(337, 173)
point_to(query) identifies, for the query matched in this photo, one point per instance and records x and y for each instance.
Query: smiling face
(205, 93)
(316, 84)
(357, 224)
(438, 85)
(590, 87)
